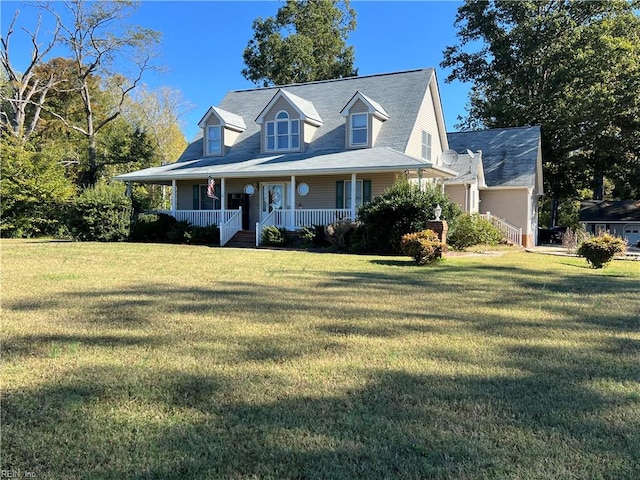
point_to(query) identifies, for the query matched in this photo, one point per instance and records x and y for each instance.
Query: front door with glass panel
(273, 198)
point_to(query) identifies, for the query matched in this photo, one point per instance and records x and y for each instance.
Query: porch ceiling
(369, 160)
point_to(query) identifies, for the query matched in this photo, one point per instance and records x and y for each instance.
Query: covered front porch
(292, 203)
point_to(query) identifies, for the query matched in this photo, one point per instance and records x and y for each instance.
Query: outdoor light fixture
(438, 212)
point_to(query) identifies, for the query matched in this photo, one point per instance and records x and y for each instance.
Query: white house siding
(308, 131)
(426, 121)
(513, 205)
(455, 194)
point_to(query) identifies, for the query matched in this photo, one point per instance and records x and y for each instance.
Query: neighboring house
(620, 218)
(504, 176)
(307, 154)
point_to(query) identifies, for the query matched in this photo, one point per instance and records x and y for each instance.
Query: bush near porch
(403, 208)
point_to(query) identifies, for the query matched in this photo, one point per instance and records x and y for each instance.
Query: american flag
(211, 193)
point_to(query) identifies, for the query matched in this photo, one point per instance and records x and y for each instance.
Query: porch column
(353, 197)
(174, 195)
(420, 185)
(292, 202)
(222, 196)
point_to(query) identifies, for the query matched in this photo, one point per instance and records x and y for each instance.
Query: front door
(273, 198)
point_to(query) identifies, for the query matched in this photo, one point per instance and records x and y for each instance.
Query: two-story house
(308, 154)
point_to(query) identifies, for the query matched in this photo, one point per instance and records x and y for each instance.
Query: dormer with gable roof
(364, 117)
(221, 130)
(288, 123)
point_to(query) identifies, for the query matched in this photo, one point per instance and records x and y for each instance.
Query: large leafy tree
(100, 41)
(306, 41)
(571, 67)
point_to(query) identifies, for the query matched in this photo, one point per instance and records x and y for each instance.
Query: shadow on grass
(114, 423)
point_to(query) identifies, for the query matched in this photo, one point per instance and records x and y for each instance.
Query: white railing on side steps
(510, 232)
(200, 218)
(232, 226)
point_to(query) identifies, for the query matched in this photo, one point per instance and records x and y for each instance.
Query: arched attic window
(283, 133)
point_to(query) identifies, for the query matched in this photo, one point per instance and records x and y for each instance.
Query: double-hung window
(359, 129)
(426, 146)
(283, 133)
(214, 140)
(343, 193)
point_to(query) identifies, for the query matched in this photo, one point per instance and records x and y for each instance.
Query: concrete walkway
(632, 253)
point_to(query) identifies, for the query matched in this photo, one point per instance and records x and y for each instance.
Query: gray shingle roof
(400, 93)
(509, 155)
(610, 211)
(378, 159)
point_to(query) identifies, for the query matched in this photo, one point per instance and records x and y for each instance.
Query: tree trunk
(553, 218)
(598, 186)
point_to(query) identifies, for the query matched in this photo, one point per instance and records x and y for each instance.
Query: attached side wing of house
(507, 183)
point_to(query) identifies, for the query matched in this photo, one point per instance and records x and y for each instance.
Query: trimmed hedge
(101, 213)
(471, 229)
(424, 247)
(600, 250)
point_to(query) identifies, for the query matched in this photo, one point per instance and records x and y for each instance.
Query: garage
(632, 233)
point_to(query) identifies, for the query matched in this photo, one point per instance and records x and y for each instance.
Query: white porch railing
(296, 219)
(309, 217)
(201, 218)
(510, 232)
(232, 226)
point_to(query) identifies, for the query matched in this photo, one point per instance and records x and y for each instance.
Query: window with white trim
(214, 140)
(347, 193)
(359, 129)
(426, 145)
(283, 133)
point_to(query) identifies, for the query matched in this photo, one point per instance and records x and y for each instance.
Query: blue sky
(203, 41)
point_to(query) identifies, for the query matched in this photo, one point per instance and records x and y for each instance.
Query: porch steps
(243, 239)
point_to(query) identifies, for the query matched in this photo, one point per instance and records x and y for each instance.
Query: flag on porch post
(211, 193)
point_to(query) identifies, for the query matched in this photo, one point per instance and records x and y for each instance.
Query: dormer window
(214, 140)
(283, 133)
(220, 130)
(288, 123)
(363, 120)
(359, 129)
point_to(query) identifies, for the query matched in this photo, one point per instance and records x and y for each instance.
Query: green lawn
(165, 361)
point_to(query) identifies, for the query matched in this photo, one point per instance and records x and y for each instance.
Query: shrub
(209, 235)
(34, 190)
(339, 233)
(273, 236)
(424, 247)
(314, 236)
(152, 227)
(401, 209)
(600, 250)
(471, 229)
(178, 232)
(101, 213)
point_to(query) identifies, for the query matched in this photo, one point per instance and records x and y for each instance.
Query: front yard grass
(164, 361)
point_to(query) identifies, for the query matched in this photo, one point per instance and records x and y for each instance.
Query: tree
(304, 42)
(98, 40)
(567, 66)
(158, 113)
(25, 92)
(33, 187)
